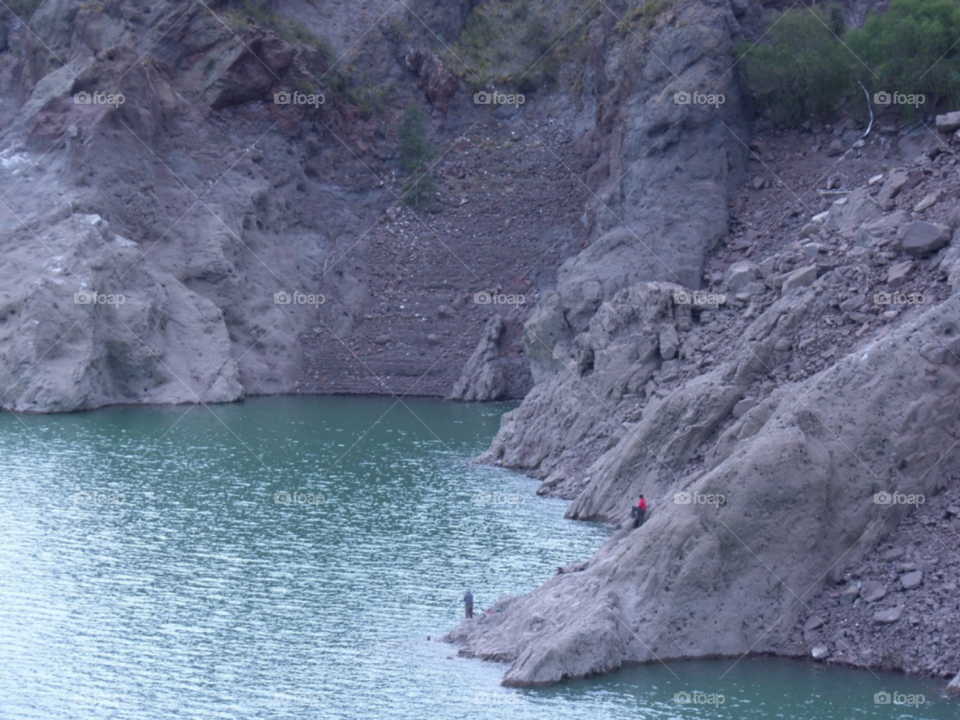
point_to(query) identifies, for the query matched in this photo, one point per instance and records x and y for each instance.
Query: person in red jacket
(639, 511)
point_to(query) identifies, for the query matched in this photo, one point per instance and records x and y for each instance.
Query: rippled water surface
(290, 557)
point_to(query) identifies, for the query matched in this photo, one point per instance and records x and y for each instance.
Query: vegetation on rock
(415, 155)
(807, 64)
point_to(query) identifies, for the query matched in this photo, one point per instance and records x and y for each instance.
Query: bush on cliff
(415, 155)
(912, 49)
(800, 69)
(806, 66)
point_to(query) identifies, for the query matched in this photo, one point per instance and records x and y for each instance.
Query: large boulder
(948, 122)
(920, 238)
(101, 327)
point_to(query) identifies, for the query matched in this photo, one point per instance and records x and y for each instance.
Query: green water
(290, 557)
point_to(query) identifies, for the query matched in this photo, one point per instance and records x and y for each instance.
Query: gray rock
(800, 277)
(885, 224)
(849, 594)
(669, 341)
(743, 407)
(162, 344)
(893, 554)
(483, 376)
(872, 591)
(888, 616)
(921, 238)
(813, 623)
(927, 202)
(898, 274)
(820, 652)
(914, 178)
(891, 186)
(767, 267)
(853, 303)
(739, 275)
(848, 214)
(911, 580)
(949, 122)
(954, 687)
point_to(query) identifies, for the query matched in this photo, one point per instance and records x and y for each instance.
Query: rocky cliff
(783, 421)
(145, 155)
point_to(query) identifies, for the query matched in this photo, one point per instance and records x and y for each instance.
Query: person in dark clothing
(468, 603)
(639, 511)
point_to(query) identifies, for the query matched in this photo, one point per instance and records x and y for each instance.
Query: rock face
(102, 327)
(797, 493)
(483, 377)
(647, 229)
(233, 197)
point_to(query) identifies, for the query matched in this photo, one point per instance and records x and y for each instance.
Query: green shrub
(800, 69)
(519, 44)
(415, 154)
(912, 48)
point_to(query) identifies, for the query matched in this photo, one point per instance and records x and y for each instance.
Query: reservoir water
(290, 558)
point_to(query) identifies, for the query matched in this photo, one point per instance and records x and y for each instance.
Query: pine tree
(415, 154)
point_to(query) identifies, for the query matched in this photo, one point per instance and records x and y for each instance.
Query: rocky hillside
(761, 416)
(145, 157)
